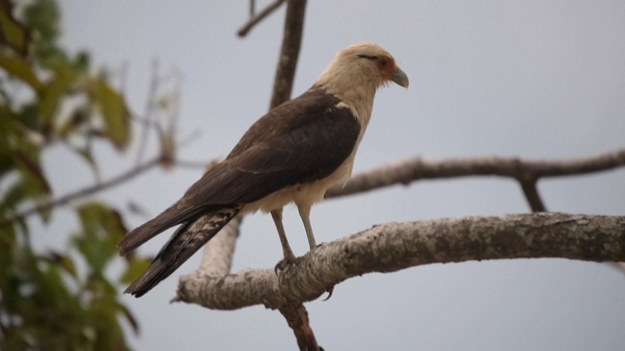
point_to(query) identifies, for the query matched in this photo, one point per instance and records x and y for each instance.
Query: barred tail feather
(187, 239)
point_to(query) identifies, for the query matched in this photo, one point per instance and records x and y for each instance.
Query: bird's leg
(304, 213)
(286, 249)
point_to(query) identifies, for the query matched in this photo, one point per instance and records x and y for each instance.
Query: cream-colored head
(363, 64)
(357, 71)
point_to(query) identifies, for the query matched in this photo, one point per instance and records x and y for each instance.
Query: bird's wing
(298, 143)
(301, 141)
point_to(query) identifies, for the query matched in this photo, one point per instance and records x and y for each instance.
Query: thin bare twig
(252, 8)
(65, 199)
(90, 190)
(150, 105)
(256, 18)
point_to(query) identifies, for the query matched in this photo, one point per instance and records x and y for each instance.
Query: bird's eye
(383, 62)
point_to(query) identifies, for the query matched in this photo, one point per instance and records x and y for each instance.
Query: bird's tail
(167, 219)
(186, 240)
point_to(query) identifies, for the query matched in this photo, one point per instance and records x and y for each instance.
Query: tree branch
(289, 52)
(257, 18)
(531, 194)
(90, 190)
(395, 246)
(527, 172)
(218, 252)
(297, 318)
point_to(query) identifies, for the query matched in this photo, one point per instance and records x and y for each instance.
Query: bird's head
(362, 65)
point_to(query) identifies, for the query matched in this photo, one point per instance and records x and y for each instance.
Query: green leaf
(8, 131)
(78, 117)
(136, 267)
(19, 68)
(43, 17)
(30, 185)
(52, 95)
(108, 334)
(54, 300)
(102, 228)
(27, 118)
(32, 169)
(14, 195)
(63, 261)
(12, 32)
(114, 113)
(129, 317)
(86, 154)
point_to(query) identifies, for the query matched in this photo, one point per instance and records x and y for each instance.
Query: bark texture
(394, 246)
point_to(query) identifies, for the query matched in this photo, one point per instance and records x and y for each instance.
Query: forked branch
(526, 172)
(256, 18)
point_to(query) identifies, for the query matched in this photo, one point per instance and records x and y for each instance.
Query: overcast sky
(530, 79)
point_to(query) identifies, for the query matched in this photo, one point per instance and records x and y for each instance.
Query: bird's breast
(304, 194)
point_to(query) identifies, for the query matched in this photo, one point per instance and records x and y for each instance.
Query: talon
(329, 291)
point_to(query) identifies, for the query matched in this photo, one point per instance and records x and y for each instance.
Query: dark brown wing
(300, 141)
(285, 118)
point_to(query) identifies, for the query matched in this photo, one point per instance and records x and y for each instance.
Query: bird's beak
(400, 78)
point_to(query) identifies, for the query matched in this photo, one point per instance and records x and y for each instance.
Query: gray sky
(533, 79)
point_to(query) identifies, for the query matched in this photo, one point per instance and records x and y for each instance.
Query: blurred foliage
(55, 300)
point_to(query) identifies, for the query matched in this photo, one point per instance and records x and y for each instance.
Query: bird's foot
(283, 264)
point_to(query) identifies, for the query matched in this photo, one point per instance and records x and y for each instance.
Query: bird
(290, 155)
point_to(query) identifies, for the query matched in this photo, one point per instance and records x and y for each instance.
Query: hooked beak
(400, 78)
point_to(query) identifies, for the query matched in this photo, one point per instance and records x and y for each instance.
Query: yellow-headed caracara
(292, 154)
